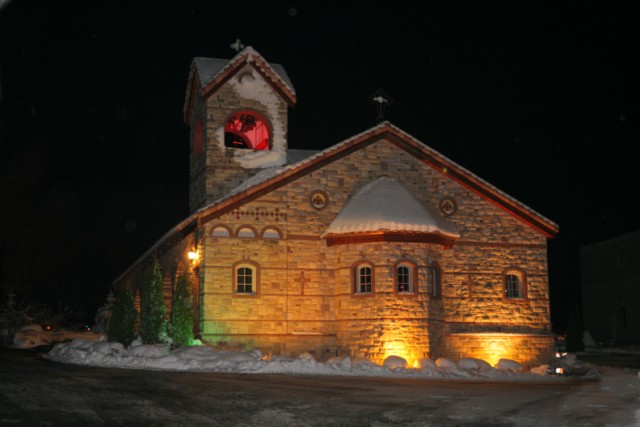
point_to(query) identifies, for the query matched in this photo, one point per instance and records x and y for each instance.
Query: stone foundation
(528, 349)
(321, 347)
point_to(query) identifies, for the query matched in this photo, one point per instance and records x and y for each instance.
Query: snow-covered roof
(207, 74)
(295, 156)
(208, 68)
(385, 205)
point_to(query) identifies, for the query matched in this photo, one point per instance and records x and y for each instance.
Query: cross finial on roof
(237, 45)
(381, 100)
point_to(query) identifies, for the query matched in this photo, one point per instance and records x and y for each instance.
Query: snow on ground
(29, 336)
(91, 349)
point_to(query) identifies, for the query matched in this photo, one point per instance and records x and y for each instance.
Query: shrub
(153, 326)
(122, 326)
(181, 328)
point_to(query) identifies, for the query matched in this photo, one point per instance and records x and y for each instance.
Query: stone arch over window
(247, 129)
(362, 276)
(198, 139)
(434, 278)
(246, 278)
(405, 277)
(221, 230)
(515, 284)
(246, 231)
(271, 232)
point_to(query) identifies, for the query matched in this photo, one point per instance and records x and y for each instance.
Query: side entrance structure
(376, 246)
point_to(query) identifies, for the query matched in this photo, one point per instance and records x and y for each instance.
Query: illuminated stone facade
(478, 291)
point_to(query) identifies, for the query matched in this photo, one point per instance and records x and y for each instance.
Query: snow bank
(33, 335)
(207, 359)
(395, 362)
(473, 364)
(508, 365)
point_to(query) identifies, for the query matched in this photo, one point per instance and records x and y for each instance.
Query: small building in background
(610, 276)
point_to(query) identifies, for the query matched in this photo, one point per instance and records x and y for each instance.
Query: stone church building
(376, 246)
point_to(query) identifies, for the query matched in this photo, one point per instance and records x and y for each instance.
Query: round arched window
(248, 130)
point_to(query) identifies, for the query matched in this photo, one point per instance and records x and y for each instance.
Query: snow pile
(34, 335)
(207, 359)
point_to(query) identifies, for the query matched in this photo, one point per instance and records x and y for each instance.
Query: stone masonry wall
(218, 172)
(530, 350)
(305, 297)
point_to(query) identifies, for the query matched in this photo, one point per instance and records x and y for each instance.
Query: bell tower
(237, 111)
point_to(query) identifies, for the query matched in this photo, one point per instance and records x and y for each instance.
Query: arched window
(271, 233)
(514, 284)
(363, 278)
(220, 231)
(405, 277)
(246, 231)
(435, 280)
(197, 139)
(245, 278)
(247, 130)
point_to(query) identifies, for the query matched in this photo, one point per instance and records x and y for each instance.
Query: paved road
(37, 392)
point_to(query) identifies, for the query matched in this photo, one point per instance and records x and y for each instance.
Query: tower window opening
(247, 130)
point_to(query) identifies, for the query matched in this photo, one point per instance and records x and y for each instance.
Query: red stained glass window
(247, 130)
(197, 140)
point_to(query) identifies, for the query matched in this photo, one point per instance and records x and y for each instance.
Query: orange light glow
(193, 256)
(394, 344)
(491, 347)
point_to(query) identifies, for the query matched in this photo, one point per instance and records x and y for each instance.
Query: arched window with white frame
(405, 277)
(363, 278)
(245, 276)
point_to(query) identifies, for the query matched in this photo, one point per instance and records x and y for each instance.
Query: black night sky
(541, 100)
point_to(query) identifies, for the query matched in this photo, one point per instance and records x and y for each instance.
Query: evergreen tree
(122, 325)
(153, 327)
(181, 329)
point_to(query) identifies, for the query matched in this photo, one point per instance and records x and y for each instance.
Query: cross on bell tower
(381, 100)
(237, 45)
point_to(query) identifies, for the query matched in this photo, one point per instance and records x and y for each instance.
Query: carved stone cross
(302, 280)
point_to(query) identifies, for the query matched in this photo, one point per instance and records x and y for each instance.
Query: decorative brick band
(390, 236)
(501, 244)
(290, 334)
(302, 237)
(258, 213)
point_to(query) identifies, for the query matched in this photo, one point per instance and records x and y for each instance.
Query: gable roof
(208, 74)
(270, 179)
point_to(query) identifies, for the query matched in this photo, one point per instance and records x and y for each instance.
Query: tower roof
(208, 74)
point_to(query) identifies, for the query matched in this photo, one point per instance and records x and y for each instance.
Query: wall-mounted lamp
(194, 256)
